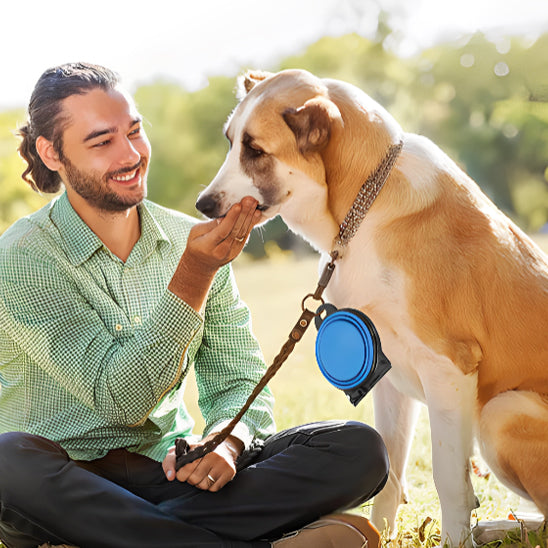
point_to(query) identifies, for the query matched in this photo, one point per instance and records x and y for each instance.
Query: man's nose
(128, 153)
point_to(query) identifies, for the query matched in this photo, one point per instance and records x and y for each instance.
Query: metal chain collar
(365, 198)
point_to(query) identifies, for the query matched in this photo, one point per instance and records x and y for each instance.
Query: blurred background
(471, 75)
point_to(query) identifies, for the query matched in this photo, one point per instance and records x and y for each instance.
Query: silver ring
(212, 480)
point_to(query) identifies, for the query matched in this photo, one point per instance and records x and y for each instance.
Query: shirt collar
(152, 235)
(80, 242)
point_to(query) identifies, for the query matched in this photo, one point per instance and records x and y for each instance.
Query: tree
(185, 130)
(484, 103)
(17, 198)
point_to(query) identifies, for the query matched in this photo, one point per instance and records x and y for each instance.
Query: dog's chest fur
(362, 281)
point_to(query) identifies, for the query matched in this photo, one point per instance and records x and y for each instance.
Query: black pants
(124, 500)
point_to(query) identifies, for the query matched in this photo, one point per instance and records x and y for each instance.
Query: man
(106, 300)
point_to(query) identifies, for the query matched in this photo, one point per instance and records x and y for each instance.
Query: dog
(458, 293)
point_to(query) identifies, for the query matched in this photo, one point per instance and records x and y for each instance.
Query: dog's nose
(208, 205)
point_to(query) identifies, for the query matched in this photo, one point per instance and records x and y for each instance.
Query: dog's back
(478, 286)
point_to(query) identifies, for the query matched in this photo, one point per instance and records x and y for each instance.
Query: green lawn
(274, 289)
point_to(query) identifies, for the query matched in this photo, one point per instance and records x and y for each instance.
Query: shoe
(488, 531)
(333, 531)
(48, 545)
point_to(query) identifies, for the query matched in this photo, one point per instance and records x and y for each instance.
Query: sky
(185, 41)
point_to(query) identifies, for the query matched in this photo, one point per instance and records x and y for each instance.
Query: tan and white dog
(458, 293)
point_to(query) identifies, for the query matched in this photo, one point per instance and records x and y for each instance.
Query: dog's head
(276, 135)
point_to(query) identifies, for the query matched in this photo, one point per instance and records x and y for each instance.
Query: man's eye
(101, 144)
(136, 131)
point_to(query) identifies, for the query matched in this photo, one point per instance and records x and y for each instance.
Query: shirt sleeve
(47, 317)
(229, 364)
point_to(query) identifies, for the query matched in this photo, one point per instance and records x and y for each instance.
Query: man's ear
(249, 80)
(312, 123)
(47, 154)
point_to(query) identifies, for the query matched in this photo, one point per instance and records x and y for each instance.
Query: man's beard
(95, 189)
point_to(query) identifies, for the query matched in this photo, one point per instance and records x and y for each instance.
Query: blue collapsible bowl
(349, 354)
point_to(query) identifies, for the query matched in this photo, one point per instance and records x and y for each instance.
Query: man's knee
(351, 438)
(350, 455)
(364, 460)
(362, 439)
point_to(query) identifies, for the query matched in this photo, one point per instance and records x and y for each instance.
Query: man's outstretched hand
(210, 245)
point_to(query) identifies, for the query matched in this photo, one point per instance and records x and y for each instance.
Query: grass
(274, 289)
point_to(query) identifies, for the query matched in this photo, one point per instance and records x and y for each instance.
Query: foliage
(185, 130)
(17, 199)
(485, 103)
(494, 120)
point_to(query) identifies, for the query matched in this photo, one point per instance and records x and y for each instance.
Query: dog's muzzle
(209, 205)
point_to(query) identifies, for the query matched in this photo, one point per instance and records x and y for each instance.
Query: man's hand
(215, 243)
(211, 245)
(210, 473)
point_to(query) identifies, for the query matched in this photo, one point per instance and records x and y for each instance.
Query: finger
(219, 482)
(244, 223)
(168, 464)
(216, 230)
(253, 219)
(235, 225)
(199, 478)
(243, 228)
(240, 241)
(209, 482)
(212, 473)
(204, 227)
(226, 227)
(239, 220)
(186, 472)
(216, 479)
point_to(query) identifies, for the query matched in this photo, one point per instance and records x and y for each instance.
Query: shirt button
(118, 327)
(137, 319)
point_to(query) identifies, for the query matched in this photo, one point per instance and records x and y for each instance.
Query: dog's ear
(249, 80)
(311, 123)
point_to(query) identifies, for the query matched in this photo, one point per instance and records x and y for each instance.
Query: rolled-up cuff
(241, 431)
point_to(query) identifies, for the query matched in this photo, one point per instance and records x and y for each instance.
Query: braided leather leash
(365, 198)
(182, 450)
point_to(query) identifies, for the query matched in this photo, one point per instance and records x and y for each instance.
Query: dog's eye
(250, 148)
(253, 151)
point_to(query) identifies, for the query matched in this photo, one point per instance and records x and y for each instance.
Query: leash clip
(325, 277)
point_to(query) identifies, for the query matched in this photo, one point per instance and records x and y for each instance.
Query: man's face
(105, 152)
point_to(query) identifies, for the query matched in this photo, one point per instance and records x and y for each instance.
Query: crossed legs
(124, 499)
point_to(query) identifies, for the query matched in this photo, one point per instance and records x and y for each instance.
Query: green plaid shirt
(94, 351)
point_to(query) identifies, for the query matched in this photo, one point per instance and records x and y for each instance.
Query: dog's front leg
(451, 399)
(395, 419)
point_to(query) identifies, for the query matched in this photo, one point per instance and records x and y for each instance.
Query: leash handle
(183, 453)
